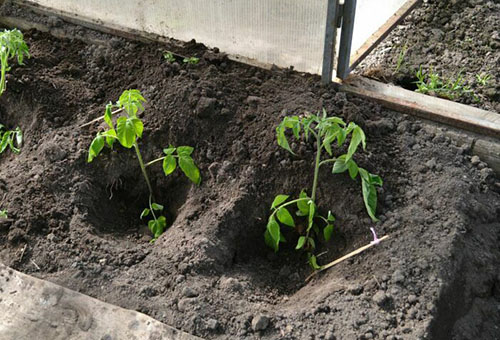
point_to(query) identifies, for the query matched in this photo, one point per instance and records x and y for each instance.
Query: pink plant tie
(375, 238)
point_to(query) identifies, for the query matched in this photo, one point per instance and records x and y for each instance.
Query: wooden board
(31, 308)
(428, 107)
(484, 126)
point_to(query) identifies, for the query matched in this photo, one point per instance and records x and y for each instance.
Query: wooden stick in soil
(345, 257)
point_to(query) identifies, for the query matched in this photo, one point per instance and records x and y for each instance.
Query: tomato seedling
(327, 131)
(10, 138)
(12, 45)
(127, 130)
(3, 214)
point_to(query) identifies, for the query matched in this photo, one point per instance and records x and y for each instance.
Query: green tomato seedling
(12, 45)
(127, 131)
(327, 131)
(3, 213)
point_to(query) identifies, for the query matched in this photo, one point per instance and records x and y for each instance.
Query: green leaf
(327, 232)
(145, 213)
(370, 198)
(110, 137)
(131, 101)
(300, 242)
(108, 115)
(138, 126)
(302, 205)
(285, 217)
(269, 240)
(169, 151)
(311, 242)
(353, 168)
(274, 231)
(278, 200)
(3, 214)
(125, 131)
(187, 166)
(340, 165)
(95, 147)
(282, 140)
(376, 180)
(330, 217)
(184, 150)
(358, 136)
(19, 136)
(157, 226)
(312, 213)
(169, 165)
(157, 207)
(313, 262)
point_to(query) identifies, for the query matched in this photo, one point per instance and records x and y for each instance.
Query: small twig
(98, 119)
(345, 257)
(22, 253)
(35, 265)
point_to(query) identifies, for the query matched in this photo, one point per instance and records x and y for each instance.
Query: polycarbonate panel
(281, 32)
(370, 16)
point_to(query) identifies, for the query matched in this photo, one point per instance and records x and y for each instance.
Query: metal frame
(349, 13)
(332, 14)
(341, 14)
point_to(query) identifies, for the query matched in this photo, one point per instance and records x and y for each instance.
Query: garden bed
(210, 273)
(448, 38)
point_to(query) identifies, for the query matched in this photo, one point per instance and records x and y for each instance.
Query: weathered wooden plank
(428, 107)
(31, 308)
(382, 32)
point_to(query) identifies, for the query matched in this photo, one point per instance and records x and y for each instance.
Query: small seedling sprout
(127, 131)
(3, 214)
(483, 79)
(432, 83)
(169, 56)
(327, 131)
(191, 60)
(401, 58)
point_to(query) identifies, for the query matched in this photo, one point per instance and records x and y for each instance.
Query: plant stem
(143, 168)
(155, 160)
(327, 161)
(289, 203)
(316, 167)
(4, 68)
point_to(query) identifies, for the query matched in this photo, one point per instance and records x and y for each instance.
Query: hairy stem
(316, 167)
(4, 69)
(143, 168)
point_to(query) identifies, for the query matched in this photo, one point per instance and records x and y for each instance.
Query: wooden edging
(382, 32)
(31, 308)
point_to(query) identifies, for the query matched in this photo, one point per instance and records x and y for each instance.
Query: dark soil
(449, 37)
(210, 273)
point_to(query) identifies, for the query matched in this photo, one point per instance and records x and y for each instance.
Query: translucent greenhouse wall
(370, 16)
(281, 32)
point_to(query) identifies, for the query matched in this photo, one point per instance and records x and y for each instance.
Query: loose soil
(210, 274)
(449, 37)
